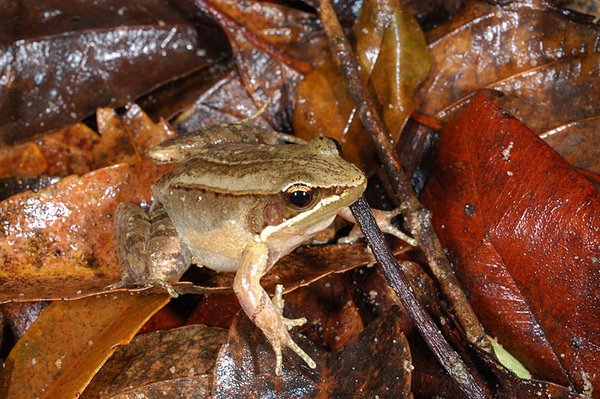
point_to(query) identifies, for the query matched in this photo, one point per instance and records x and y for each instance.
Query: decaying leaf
(111, 54)
(273, 46)
(545, 60)
(23, 160)
(391, 50)
(521, 226)
(213, 106)
(246, 363)
(177, 363)
(67, 344)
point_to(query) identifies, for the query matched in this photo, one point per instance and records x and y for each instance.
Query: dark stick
(417, 218)
(449, 359)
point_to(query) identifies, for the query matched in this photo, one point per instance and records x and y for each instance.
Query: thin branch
(448, 358)
(417, 218)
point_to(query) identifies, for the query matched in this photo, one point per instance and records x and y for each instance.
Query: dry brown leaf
(177, 363)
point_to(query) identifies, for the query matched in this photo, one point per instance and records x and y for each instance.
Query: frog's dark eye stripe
(299, 195)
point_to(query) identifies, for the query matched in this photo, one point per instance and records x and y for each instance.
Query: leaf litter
(551, 97)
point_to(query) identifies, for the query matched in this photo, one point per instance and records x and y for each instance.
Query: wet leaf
(546, 61)
(23, 160)
(170, 100)
(273, 45)
(69, 150)
(177, 364)
(392, 53)
(327, 303)
(63, 349)
(246, 363)
(214, 106)
(51, 78)
(59, 242)
(521, 227)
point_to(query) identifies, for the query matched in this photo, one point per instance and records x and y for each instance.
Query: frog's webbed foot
(266, 314)
(383, 220)
(150, 252)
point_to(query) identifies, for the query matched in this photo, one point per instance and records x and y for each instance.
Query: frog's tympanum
(236, 207)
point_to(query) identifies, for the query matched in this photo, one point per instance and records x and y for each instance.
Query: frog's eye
(299, 195)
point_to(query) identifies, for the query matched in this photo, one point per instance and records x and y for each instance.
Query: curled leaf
(392, 53)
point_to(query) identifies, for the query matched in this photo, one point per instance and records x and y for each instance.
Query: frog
(238, 201)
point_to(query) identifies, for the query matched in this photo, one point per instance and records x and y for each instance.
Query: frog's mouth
(309, 221)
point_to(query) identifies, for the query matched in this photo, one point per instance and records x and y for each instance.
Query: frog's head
(318, 184)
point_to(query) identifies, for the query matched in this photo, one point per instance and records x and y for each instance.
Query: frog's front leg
(149, 249)
(383, 220)
(266, 314)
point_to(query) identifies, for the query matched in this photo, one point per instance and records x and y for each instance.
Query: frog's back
(261, 168)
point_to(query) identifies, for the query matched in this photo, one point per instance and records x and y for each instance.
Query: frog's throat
(270, 230)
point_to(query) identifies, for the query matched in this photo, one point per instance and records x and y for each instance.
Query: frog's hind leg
(149, 249)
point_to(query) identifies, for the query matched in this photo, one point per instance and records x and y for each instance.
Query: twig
(448, 358)
(417, 218)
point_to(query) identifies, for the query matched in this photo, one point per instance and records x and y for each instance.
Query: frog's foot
(282, 337)
(116, 286)
(164, 285)
(146, 283)
(384, 221)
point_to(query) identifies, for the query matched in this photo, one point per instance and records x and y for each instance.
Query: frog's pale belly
(219, 249)
(213, 227)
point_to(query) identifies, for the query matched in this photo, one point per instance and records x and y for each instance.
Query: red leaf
(521, 227)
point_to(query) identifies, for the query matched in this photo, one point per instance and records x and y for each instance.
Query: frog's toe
(278, 301)
(287, 341)
(401, 235)
(293, 346)
(291, 323)
(116, 286)
(278, 359)
(164, 285)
